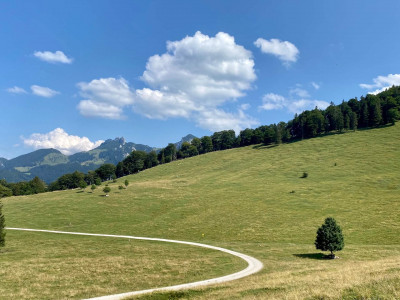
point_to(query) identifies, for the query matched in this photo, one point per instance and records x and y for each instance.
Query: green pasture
(252, 200)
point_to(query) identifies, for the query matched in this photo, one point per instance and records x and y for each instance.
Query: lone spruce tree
(329, 237)
(2, 226)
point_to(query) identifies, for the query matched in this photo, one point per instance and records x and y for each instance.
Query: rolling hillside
(250, 200)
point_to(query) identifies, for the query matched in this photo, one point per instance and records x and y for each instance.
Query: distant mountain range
(49, 164)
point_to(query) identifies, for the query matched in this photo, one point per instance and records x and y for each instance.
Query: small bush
(106, 190)
(305, 175)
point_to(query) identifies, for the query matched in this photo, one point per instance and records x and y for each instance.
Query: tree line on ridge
(369, 112)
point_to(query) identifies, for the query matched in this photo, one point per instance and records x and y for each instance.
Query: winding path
(254, 265)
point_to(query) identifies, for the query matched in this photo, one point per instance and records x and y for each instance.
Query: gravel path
(254, 265)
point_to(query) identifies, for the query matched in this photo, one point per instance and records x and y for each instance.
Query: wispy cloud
(283, 50)
(299, 92)
(315, 85)
(16, 90)
(53, 57)
(43, 91)
(293, 105)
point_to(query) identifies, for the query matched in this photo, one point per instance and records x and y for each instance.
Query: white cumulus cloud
(382, 83)
(16, 90)
(284, 50)
(43, 91)
(53, 57)
(194, 78)
(105, 97)
(60, 140)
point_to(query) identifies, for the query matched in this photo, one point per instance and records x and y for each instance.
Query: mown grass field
(250, 200)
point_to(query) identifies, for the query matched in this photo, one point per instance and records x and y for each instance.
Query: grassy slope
(241, 199)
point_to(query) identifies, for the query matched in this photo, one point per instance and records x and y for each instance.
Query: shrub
(106, 190)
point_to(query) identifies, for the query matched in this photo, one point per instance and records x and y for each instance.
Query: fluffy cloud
(105, 97)
(89, 108)
(196, 76)
(284, 50)
(43, 91)
(53, 57)
(274, 101)
(217, 120)
(382, 83)
(62, 141)
(16, 90)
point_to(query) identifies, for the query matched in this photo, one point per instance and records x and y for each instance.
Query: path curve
(254, 265)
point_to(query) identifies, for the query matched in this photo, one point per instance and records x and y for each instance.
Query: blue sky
(74, 73)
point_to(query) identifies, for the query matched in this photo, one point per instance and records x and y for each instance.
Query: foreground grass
(253, 200)
(52, 266)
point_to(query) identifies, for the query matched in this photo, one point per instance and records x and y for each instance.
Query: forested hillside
(370, 111)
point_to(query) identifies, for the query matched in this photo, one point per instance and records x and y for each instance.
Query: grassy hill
(250, 199)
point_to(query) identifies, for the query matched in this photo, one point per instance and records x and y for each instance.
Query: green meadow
(252, 200)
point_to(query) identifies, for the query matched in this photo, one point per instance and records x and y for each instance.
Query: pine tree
(2, 226)
(329, 237)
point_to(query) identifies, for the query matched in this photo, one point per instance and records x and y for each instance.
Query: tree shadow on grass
(263, 146)
(312, 255)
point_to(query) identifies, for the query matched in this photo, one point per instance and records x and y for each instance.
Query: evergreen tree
(278, 134)
(375, 113)
(364, 118)
(329, 237)
(353, 121)
(258, 135)
(2, 226)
